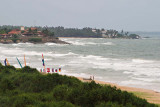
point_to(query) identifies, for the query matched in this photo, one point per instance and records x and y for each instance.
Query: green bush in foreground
(26, 87)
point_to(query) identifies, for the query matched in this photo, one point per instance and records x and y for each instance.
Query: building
(32, 29)
(3, 35)
(14, 32)
(25, 32)
(22, 28)
(104, 32)
(94, 30)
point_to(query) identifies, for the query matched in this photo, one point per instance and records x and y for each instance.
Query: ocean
(127, 62)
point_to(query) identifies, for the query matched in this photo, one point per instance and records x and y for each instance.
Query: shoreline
(150, 95)
(95, 38)
(78, 37)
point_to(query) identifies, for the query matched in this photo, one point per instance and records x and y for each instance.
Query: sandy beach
(150, 95)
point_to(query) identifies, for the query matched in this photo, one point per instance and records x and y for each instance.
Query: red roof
(32, 28)
(15, 31)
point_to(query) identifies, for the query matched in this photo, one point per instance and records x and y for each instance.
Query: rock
(2, 41)
(18, 41)
(26, 39)
(6, 41)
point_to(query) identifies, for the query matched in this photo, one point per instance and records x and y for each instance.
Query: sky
(129, 15)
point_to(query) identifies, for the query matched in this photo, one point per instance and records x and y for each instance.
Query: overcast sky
(130, 15)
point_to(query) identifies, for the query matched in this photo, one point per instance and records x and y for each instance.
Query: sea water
(127, 62)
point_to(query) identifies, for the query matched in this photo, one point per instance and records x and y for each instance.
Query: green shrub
(28, 69)
(22, 100)
(35, 39)
(60, 92)
(6, 84)
(56, 104)
(4, 101)
(15, 40)
(27, 87)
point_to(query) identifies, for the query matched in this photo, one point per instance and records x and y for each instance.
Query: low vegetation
(26, 87)
(35, 39)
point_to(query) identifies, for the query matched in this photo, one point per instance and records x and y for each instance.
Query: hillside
(27, 87)
(32, 35)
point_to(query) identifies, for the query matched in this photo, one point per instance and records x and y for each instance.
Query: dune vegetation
(27, 87)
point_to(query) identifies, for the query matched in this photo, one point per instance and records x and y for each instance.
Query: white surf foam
(20, 44)
(140, 67)
(142, 61)
(21, 52)
(108, 43)
(54, 44)
(82, 75)
(83, 42)
(89, 43)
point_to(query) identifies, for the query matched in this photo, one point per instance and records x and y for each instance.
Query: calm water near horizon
(134, 63)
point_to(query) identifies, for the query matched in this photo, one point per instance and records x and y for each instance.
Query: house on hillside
(14, 32)
(32, 32)
(94, 30)
(4, 35)
(26, 32)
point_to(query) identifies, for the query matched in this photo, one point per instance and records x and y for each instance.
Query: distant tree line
(4, 30)
(75, 32)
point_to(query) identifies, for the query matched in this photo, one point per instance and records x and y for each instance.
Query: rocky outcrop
(28, 39)
(53, 40)
(6, 41)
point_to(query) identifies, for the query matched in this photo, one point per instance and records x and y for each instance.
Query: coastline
(78, 37)
(26, 40)
(150, 95)
(95, 38)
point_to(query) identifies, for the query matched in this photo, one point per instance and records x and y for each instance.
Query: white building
(22, 28)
